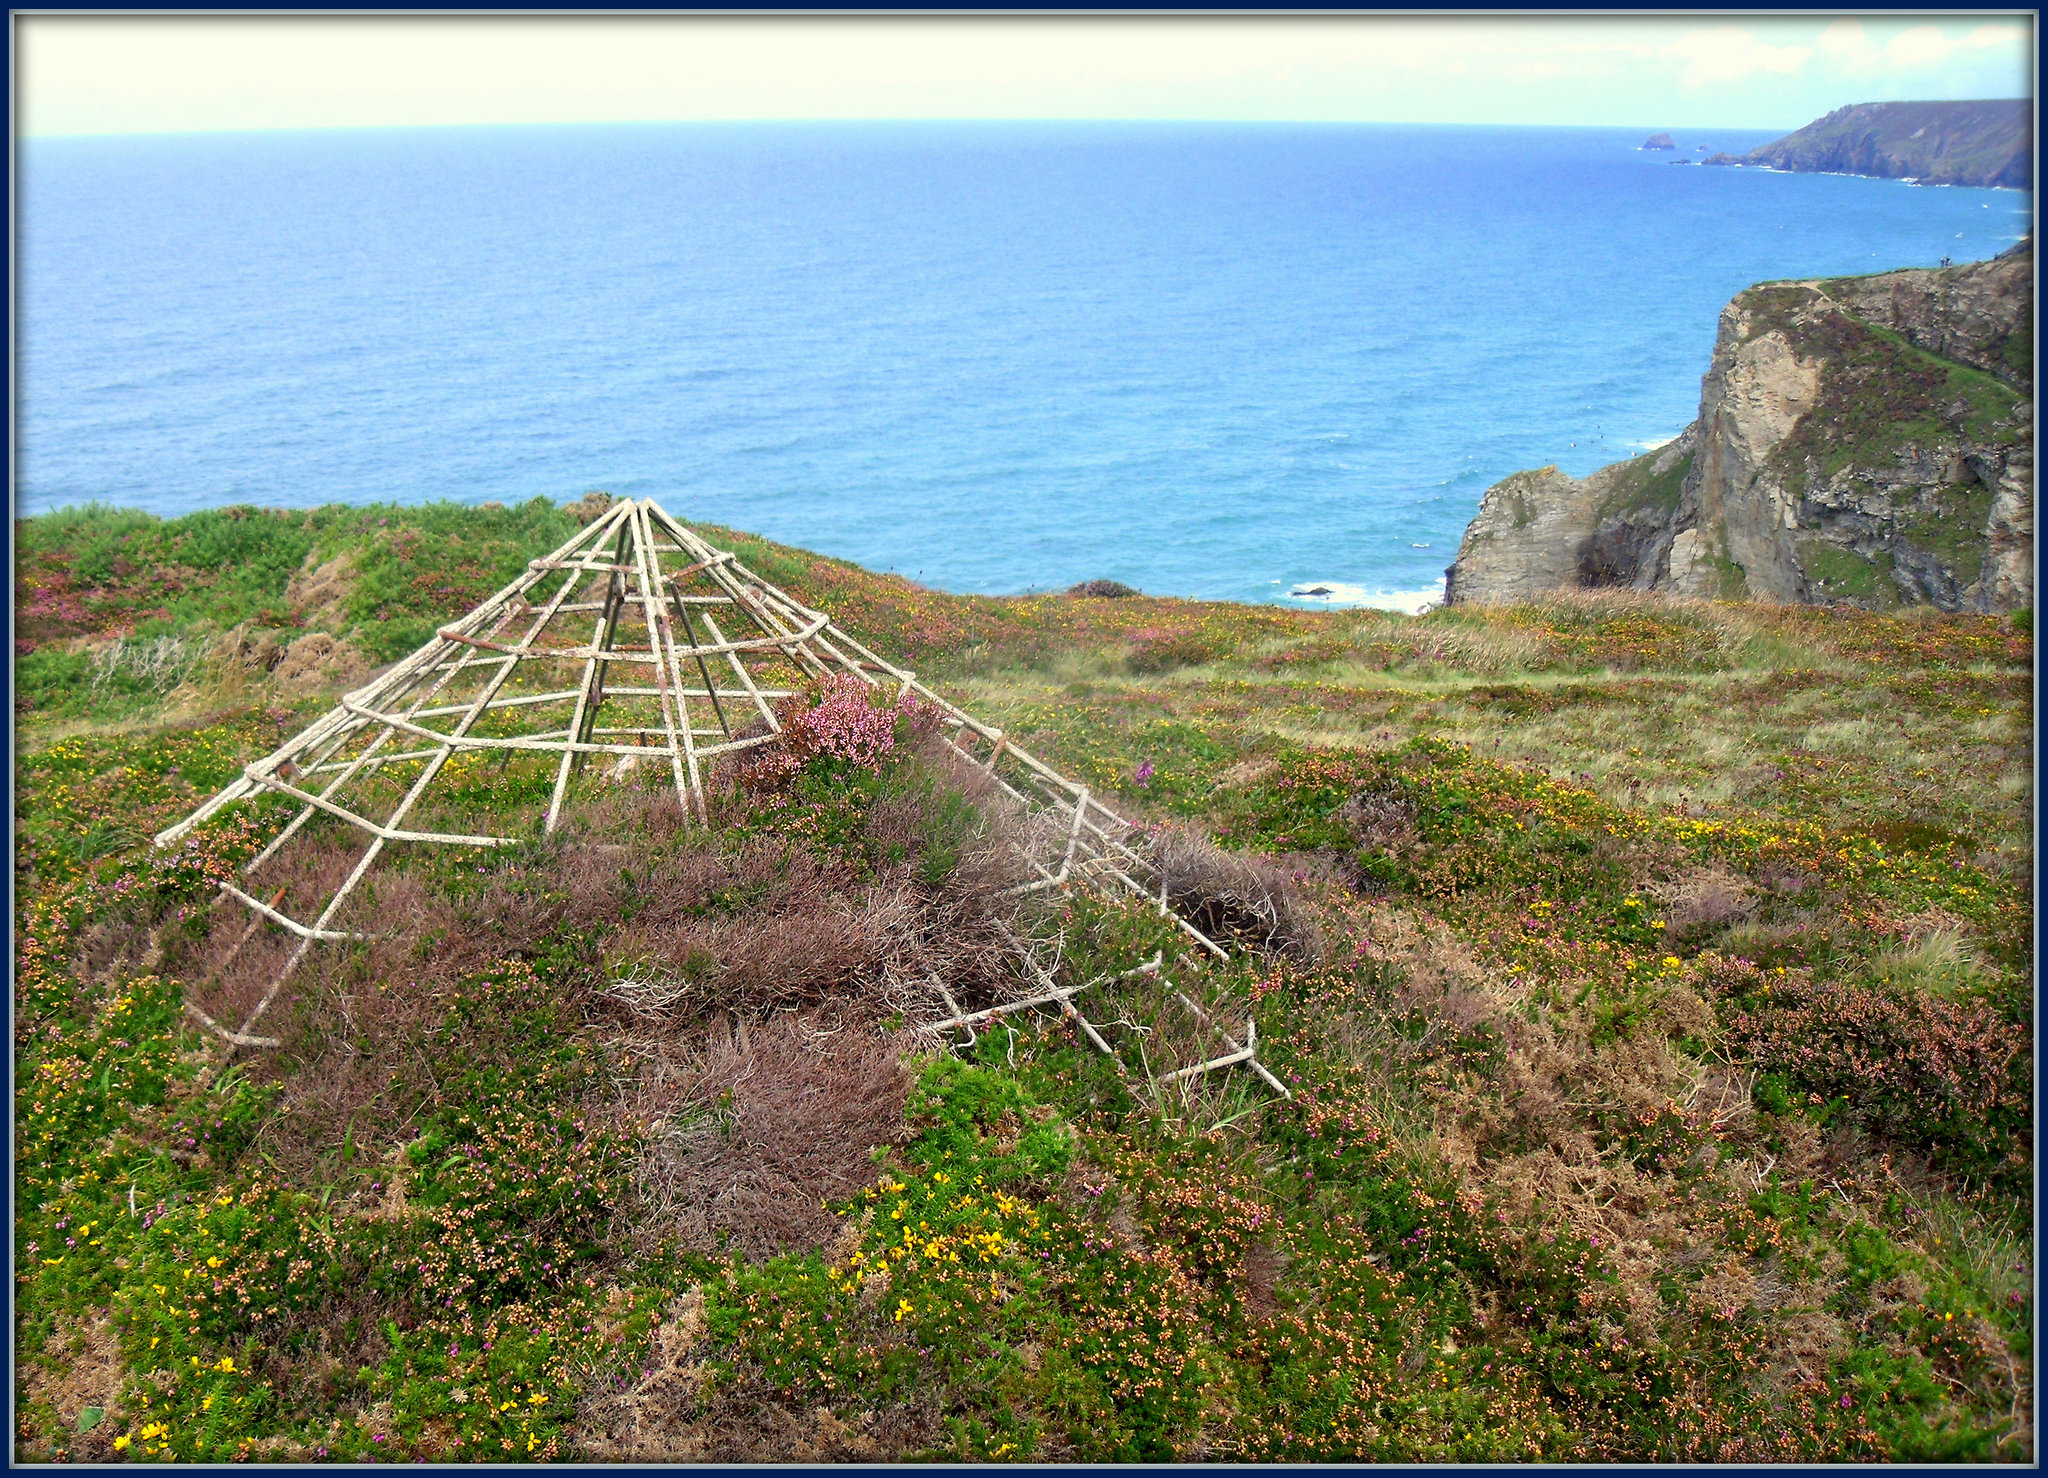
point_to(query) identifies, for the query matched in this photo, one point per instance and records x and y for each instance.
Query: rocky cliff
(1863, 441)
(1956, 143)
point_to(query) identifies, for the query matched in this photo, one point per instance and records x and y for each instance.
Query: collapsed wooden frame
(653, 593)
(1052, 993)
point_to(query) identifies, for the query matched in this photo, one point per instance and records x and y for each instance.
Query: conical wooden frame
(637, 641)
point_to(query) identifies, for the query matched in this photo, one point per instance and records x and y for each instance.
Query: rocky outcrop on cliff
(1864, 441)
(1949, 143)
(1542, 531)
(1981, 315)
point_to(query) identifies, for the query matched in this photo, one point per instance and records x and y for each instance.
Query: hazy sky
(149, 74)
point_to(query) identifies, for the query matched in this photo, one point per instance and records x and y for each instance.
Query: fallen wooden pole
(235, 1039)
(969, 1018)
(1231, 1042)
(1062, 996)
(1242, 1054)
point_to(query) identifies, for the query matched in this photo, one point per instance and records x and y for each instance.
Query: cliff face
(1957, 143)
(1863, 441)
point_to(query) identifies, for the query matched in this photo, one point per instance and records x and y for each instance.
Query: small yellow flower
(213, 1262)
(537, 1399)
(120, 1444)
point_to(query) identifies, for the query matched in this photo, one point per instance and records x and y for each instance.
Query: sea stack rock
(1659, 141)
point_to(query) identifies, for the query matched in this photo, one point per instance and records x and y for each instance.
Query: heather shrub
(513, 1182)
(1952, 1077)
(1103, 589)
(840, 721)
(514, 1194)
(780, 1119)
(233, 1266)
(1436, 821)
(930, 814)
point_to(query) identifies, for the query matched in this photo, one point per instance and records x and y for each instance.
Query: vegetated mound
(632, 1039)
(1864, 441)
(745, 975)
(1983, 142)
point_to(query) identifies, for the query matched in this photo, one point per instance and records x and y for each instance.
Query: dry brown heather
(1653, 980)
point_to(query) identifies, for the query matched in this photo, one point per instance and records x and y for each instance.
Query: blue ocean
(1226, 361)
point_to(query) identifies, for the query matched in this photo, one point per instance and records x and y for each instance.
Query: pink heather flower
(847, 725)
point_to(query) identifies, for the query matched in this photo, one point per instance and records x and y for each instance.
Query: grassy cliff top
(1653, 981)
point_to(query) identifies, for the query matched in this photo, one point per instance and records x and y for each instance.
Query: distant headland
(1989, 142)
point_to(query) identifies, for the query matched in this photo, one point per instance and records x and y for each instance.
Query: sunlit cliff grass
(1656, 998)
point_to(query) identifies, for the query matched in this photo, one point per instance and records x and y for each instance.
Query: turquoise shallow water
(1213, 360)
